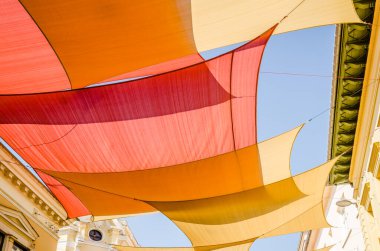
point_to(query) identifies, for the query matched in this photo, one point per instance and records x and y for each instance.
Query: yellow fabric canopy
(240, 247)
(253, 213)
(219, 23)
(220, 223)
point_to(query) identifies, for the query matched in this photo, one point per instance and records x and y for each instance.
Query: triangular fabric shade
(238, 247)
(252, 213)
(241, 247)
(306, 219)
(188, 115)
(106, 40)
(193, 123)
(244, 169)
(313, 218)
(290, 205)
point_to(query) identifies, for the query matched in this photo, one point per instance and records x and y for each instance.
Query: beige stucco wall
(92, 248)
(45, 242)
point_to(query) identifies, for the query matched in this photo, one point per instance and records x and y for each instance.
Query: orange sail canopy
(252, 213)
(240, 170)
(183, 116)
(49, 45)
(223, 222)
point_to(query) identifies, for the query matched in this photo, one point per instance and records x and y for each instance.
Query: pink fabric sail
(186, 115)
(27, 61)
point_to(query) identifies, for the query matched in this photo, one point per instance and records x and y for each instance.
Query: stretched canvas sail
(289, 205)
(95, 41)
(266, 164)
(184, 116)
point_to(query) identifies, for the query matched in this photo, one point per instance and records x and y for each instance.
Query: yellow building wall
(45, 242)
(92, 248)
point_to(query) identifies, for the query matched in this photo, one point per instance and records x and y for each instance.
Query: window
(95, 235)
(18, 247)
(2, 236)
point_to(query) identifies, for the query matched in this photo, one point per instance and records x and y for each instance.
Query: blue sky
(284, 102)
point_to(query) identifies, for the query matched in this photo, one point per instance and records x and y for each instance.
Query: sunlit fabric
(248, 18)
(290, 205)
(113, 36)
(107, 40)
(241, 247)
(27, 62)
(252, 213)
(184, 116)
(238, 247)
(225, 174)
(75, 207)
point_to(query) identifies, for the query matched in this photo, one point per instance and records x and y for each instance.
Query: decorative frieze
(43, 211)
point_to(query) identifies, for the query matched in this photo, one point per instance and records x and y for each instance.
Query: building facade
(31, 219)
(355, 133)
(95, 236)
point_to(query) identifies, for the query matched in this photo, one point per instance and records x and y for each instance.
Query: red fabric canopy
(27, 61)
(181, 116)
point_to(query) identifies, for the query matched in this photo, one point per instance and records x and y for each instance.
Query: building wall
(346, 232)
(364, 170)
(29, 216)
(369, 197)
(33, 219)
(114, 232)
(22, 229)
(45, 241)
(364, 176)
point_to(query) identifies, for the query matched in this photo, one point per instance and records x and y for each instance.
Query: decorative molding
(365, 200)
(369, 109)
(374, 161)
(29, 181)
(22, 189)
(40, 204)
(350, 56)
(19, 221)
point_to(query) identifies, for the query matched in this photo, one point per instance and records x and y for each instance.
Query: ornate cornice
(46, 210)
(350, 64)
